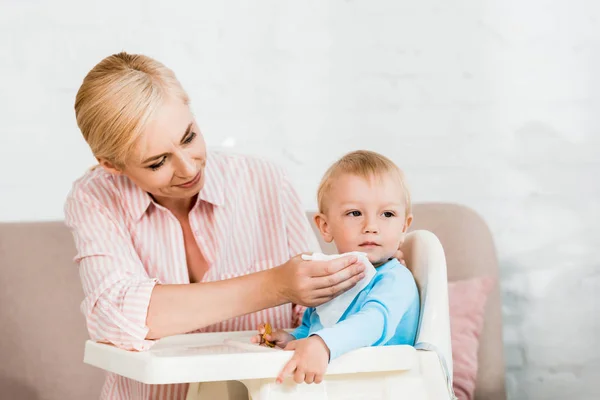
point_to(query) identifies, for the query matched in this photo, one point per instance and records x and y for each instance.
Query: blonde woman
(173, 239)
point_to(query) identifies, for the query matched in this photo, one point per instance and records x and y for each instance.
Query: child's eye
(388, 214)
(354, 213)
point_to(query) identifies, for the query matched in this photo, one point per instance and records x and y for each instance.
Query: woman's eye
(190, 137)
(159, 164)
(354, 213)
(388, 214)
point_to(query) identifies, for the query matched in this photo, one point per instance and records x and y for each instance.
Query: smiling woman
(168, 242)
(172, 157)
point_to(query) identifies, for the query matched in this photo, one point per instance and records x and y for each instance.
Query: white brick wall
(493, 104)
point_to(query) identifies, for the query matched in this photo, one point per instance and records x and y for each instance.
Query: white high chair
(212, 362)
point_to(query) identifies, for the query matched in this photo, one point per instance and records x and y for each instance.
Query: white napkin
(331, 312)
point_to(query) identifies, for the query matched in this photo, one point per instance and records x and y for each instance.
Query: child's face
(367, 215)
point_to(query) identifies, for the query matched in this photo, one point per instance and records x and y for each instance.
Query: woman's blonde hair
(116, 100)
(365, 164)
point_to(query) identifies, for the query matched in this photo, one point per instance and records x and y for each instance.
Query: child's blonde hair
(365, 164)
(117, 99)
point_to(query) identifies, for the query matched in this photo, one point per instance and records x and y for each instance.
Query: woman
(171, 239)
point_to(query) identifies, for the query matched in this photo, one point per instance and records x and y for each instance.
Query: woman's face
(170, 156)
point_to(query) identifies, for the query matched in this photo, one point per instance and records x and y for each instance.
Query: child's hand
(279, 338)
(309, 363)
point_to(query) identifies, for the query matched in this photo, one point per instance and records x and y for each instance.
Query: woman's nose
(187, 166)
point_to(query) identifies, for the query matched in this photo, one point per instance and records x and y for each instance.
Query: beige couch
(42, 333)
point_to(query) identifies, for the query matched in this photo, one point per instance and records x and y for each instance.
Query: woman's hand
(309, 363)
(279, 338)
(312, 283)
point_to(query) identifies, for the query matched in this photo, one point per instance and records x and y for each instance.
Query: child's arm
(377, 321)
(302, 331)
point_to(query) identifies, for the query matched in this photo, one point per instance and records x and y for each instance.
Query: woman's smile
(192, 182)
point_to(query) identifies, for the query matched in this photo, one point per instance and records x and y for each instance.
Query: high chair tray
(208, 357)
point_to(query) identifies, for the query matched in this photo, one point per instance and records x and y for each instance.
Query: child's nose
(371, 227)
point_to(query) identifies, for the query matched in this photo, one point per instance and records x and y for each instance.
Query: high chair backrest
(425, 258)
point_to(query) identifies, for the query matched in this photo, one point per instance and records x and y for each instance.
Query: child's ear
(407, 222)
(321, 222)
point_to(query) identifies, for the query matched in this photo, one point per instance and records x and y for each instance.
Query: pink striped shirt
(247, 218)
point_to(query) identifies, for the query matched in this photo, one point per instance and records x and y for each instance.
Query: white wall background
(493, 104)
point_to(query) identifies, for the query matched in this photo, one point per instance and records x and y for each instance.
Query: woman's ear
(321, 222)
(407, 222)
(109, 167)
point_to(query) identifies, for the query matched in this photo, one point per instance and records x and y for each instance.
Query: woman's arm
(177, 309)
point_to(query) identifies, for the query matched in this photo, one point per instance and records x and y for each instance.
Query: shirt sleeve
(301, 237)
(378, 318)
(116, 287)
(301, 332)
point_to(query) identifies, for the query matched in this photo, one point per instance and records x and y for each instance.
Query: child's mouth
(368, 244)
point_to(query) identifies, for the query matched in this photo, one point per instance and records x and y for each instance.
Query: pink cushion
(467, 299)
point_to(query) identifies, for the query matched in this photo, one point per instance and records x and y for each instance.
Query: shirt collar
(213, 191)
